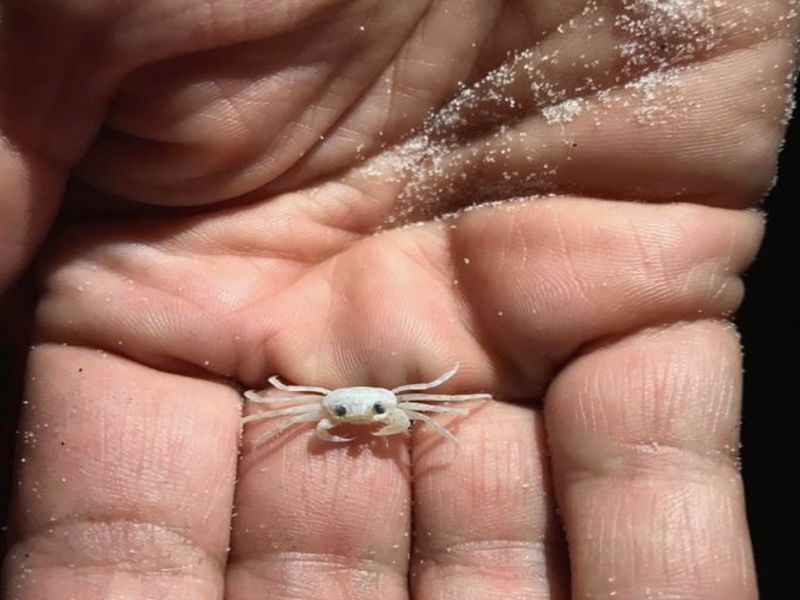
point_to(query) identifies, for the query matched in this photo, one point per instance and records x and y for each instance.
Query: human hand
(240, 211)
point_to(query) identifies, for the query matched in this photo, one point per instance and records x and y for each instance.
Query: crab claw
(335, 438)
(391, 430)
(396, 422)
(323, 432)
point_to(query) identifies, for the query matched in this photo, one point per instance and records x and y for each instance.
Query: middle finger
(320, 520)
(485, 522)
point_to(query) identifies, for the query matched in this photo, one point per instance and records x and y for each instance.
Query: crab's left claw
(390, 430)
(323, 432)
(398, 422)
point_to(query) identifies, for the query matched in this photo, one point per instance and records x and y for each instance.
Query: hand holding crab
(395, 409)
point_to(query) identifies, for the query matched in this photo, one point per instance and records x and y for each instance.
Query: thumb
(51, 105)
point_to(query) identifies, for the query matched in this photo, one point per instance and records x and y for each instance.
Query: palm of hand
(292, 130)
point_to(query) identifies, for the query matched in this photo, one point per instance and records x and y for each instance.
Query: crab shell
(359, 404)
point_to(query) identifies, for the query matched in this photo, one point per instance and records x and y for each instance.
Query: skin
(220, 227)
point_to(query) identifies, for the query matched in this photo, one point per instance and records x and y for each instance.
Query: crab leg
(421, 407)
(297, 388)
(417, 416)
(292, 410)
(444, 397)
(253, 396)
(313, 416)
(419, 387)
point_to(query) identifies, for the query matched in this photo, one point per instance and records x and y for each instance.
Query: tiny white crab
(395, 408)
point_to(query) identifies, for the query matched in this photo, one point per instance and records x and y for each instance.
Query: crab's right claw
(323, 433)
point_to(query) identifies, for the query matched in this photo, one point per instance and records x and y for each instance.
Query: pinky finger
(644, 437)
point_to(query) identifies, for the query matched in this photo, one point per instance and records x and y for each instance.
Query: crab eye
(340, 410)
(379, 408)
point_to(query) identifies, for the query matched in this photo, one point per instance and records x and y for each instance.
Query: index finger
(124, 482)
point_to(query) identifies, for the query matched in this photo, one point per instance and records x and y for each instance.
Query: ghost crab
(395, 409)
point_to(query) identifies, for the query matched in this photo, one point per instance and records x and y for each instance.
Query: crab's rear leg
(421, 407)
(418, 416)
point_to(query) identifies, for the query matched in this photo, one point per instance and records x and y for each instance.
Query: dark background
(770, 330)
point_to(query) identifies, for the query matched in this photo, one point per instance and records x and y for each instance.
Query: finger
(316, 519)
(546, 274)
(554, 275)
(674, 89)
(673, 129)
(23, 184)
(644, 436)
(485, 524)
(124, 482)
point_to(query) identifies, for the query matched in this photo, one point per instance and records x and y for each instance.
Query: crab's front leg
(396, 422)
(302, 418)
(323, 432)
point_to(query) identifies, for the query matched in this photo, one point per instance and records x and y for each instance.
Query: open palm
(552, 194)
